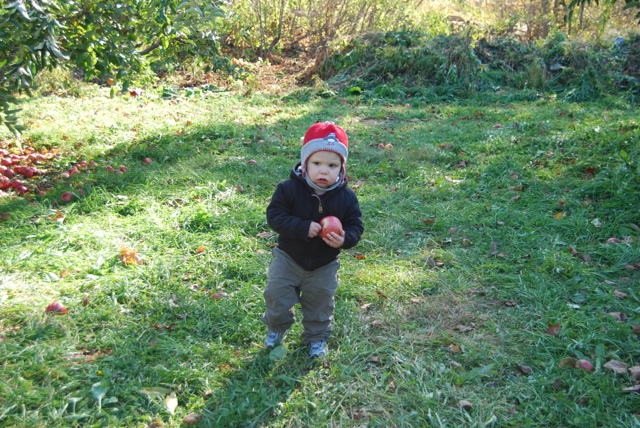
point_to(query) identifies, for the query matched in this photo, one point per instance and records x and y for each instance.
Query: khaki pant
(314, 290)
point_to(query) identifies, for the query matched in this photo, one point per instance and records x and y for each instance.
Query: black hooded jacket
(293, 207)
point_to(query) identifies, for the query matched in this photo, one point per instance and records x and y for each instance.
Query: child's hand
(314, 229)
(335, 240)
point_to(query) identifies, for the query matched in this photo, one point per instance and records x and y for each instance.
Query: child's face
(324, 167)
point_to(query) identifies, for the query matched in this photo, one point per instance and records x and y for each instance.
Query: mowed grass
(483, 273)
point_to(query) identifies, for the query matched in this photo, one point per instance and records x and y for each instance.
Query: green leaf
(278, 353)
(155, 390)
(99, 390)
(624, 156)
(171, 401)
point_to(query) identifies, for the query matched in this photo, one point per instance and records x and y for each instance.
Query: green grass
(428, 318)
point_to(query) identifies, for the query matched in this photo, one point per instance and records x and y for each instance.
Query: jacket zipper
(319, 203)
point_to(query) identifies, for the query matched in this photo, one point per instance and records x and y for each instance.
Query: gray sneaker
(318, 349)
(274, 338)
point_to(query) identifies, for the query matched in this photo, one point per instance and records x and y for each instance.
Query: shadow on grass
(246, 386)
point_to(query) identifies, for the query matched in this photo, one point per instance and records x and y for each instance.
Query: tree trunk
(545, 19)
(277, 39)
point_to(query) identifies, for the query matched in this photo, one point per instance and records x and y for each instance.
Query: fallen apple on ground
(66, 197)
(584, 365)
(330, 224)
(56, 307)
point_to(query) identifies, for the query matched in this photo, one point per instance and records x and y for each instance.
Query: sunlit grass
(429, 311)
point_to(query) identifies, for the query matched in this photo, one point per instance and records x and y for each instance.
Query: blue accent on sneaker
(318, 349)
(273, 338)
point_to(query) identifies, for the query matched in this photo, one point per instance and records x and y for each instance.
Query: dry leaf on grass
(465, 405)
(635, 329)
(617, 367)
(454, 349)
(463, 328)
(573, 250)
(553, 329)
(192, 419)
(511, 303)
(634, 372)
(619, 316)
(265, 235)
(494, 248)
(569, 362)
(379, 293)
(59, 217)
(374, 359)
(525, 369)
(157, 423)
(619, 294)
(585, 257)
(515, 198)
(129, 256)
(171, 401)
(200, 249)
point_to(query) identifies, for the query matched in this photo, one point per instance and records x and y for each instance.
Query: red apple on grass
(584, 365)
(147, 160)
(330, 224)
(5, 183)
(56, 307)
(66, 197)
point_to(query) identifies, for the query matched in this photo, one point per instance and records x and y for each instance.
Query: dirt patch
(447, 312)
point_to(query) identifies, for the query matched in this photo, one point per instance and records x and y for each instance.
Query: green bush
(388, 63)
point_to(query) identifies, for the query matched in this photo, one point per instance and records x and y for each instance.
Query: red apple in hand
(330, 224)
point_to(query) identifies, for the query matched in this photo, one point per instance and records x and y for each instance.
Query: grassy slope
(422, 320)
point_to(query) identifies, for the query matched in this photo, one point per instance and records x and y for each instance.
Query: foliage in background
(414, 65)
(260, 26)
(104, 39)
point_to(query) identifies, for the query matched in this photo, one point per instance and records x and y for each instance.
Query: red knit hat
(324, 136)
